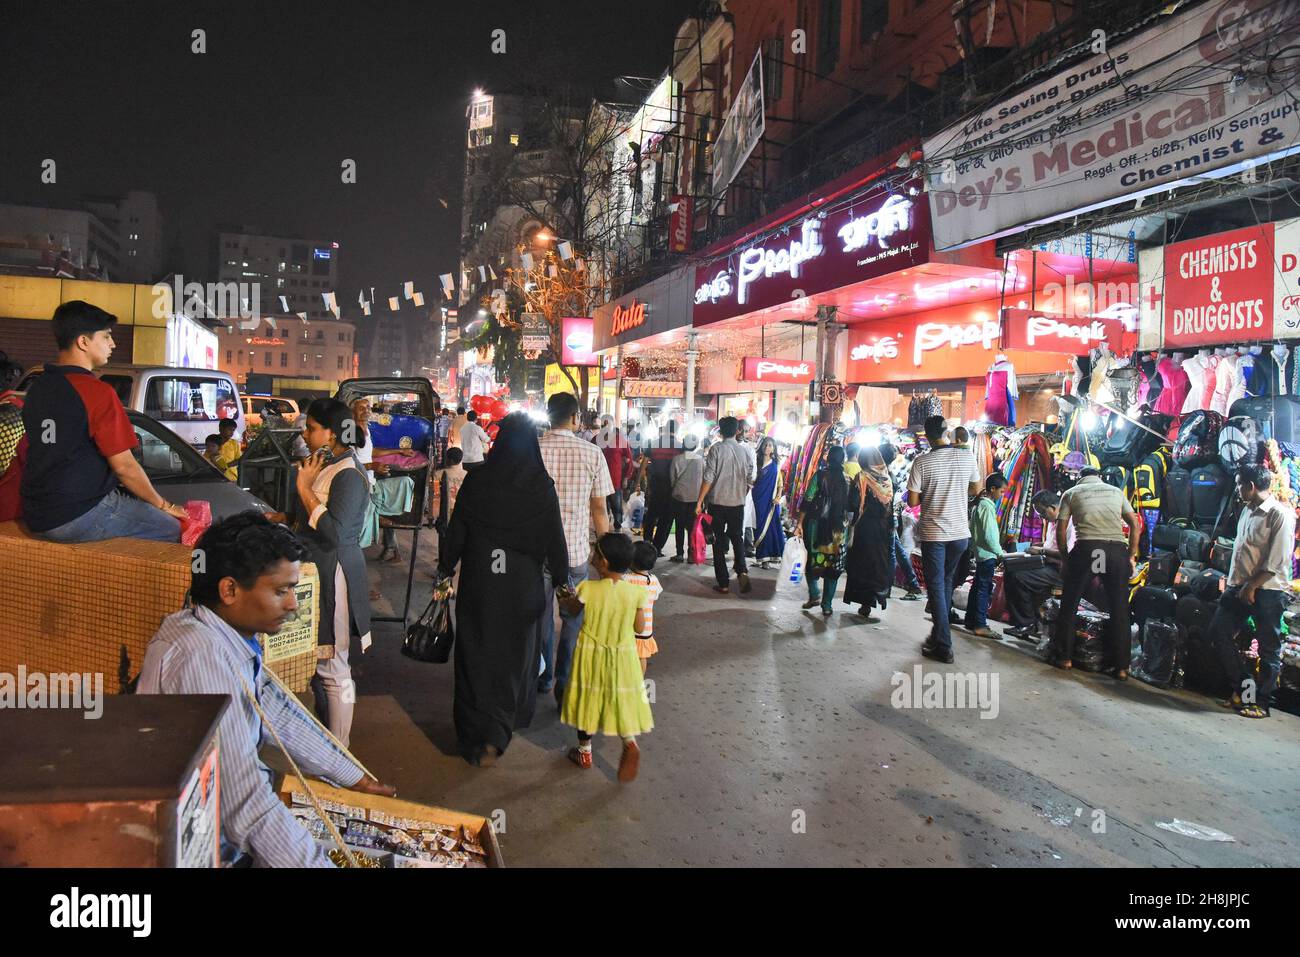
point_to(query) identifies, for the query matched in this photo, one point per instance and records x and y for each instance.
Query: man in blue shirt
(247, 586)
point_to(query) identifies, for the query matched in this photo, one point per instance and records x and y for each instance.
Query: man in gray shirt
(728, 475)
(686, 476)
(1099, 512)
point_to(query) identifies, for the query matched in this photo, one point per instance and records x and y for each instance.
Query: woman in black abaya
(869, 565)
(505, 526)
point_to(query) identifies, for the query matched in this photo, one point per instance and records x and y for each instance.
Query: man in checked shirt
(248, 586)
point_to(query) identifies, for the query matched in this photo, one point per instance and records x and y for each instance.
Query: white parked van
(189, 402)
(257, 404)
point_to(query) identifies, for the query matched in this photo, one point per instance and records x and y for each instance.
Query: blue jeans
(904, 561)
(981, 593)
(1229, 619)
(826, 596)
(939, 560)
(558, 659)
(118, 515)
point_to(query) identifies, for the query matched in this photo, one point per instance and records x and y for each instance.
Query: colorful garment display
(1226, 379)
(1195, 371)
(1001, 392)
(1210, 365)
(1174, 387)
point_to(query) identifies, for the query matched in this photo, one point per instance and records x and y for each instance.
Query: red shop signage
(627, 317)
(878, 234)
(1220, 288)
(681, 224)
(1047, 332)
(787, 371)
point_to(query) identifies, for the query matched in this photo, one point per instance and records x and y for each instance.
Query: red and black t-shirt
(74, 422)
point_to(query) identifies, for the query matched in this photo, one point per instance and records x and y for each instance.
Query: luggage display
(1194, 546)
(1177, 499)
(1116, 475)
(1221, 554)
(1278, 416)
(1162, 652)
(1198, 438)
(1149, 479)
(1161, 568)
(1167, 537)
(1211, 492)
(1209, 584)
(1151, 601)
(1090, 639)
(1186, 574)
(1127, 443)
(1194, 616)
(1239, 442)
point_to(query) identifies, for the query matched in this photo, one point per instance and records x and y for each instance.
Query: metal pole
(691, 355)
(618, 390)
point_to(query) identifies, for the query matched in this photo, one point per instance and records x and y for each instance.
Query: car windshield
(189, 399)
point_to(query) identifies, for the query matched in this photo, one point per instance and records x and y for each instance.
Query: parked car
(256, 405)
(189, 402)
(181, 474)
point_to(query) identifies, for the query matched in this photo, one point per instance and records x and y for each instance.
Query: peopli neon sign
(886, 347)
(936, 335)
(894, 216)
(1045, 327)
(627, 318)
(759, 369)
(758, 263)
(719, 287)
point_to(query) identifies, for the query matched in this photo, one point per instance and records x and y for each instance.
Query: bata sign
(757, 369)
(652, 389)
(1142, 116)
(627, 317)
(870, 237)
(1026, 329)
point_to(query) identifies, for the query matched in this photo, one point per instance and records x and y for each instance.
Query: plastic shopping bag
(197, 520)
(700, 538)
(635, 509)
(793, 560)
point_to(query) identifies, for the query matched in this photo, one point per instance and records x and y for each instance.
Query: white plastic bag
(635, 509)
(793, 560)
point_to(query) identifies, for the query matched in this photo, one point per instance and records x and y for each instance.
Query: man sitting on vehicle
(248, 586)
(79, 467)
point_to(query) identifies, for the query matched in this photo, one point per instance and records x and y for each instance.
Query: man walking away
(1258, 582)
(614, 446)
(473, 441)
(80, 462)
(942, 482)
(728, 475)
(686, 475)
(1099, 511)
(582, 484)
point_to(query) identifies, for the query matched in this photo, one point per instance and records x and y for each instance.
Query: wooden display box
(137, 787)
(396, 807)
(93, 607)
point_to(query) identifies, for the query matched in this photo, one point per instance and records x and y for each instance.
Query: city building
(283, 346)
(115, 239)
(301, 270)
(138, 224)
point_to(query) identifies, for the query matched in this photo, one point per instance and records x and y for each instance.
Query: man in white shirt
(473, 441)
(942, 482)
(582, 484)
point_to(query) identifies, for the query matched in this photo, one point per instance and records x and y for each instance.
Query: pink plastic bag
(197, 520)
(699, 539)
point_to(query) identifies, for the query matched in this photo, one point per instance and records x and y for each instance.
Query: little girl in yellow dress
(606, 693)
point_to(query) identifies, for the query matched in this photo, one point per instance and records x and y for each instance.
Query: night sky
(254, 130)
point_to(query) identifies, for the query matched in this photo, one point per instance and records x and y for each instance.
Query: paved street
(768, 718)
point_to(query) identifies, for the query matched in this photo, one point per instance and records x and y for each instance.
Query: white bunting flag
(527, 260)
(302, 316)
(284, 304)
(361, 298)
(482, 273)
(365, 308)
(552, 271)
(579, 265)
(492, 274)
(418, 299)
(566, 249)
(408, 289)
(392, 303)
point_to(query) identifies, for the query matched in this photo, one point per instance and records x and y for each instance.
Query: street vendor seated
(81, 482)
(247, 586)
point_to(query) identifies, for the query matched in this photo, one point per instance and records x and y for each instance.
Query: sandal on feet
(580, 757)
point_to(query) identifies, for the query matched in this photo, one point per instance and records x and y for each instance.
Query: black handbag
(431, 636)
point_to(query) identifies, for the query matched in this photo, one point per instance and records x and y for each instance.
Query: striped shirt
(196, 652)
(580, 474)
(653, 591)
(943, 477)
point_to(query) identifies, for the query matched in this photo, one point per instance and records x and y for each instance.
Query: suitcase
(1177, 500)
(1209, 584)
(1186, 574)
(1194, 616)
(1161, 567)
(1090, 640)
(1162, 651)
(1152, 601)
(1167, 537)
(1211, 495)
(1194, 546)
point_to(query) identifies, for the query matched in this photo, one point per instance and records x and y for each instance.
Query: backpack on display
(1193, 546)
(1277, 416)
(1239, 442)
(1209, 584)
(1162, 651)
(1149, 480)
(1198, 438)
(1211, 492)
(1117, 476)
(1177, 499)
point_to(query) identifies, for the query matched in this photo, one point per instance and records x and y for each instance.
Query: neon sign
(894, 216)
(758, 262)
(717, 288)
(936, 335)
(886, 347)
(627, 318)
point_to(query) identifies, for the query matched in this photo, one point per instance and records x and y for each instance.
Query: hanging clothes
(1225, 378)
(1210, 364)
(1148, 380)
(1174, 386)
(1082, 374)
(1099, 388)
(915, 412)
(1195, 369)
(1271, 374)
(1246, 365)
(1241, 366)
(1000, 393)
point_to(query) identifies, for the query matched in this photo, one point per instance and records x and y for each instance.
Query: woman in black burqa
(505, 526)
(869, 566)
